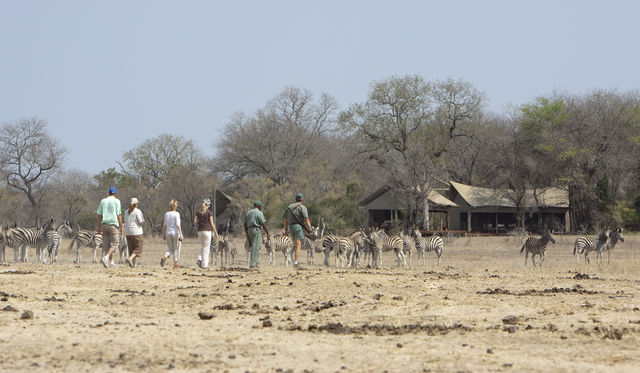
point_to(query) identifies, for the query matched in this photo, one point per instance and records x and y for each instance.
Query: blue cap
(112, 190)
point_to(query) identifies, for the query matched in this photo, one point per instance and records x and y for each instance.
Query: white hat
(134, 201)
(206, 201)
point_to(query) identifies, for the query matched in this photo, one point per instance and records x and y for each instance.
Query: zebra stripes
(428, 244)
(85, 238)
(53, 241)
(587, 244)
(382, 244)
(615, 236)
(536, 246)
(26, 238)
(281, 243)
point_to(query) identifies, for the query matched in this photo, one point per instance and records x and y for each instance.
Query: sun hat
(134, 201)
(112, 190)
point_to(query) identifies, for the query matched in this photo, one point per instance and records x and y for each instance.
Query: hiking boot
(199, 263)
(129, 262)
(105, 262)
(162, 261)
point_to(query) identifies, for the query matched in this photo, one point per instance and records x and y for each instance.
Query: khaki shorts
(296, 231)
(110, 237)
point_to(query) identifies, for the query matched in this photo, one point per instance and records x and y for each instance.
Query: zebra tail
(521, 250)
(574, 249)
(70, 248)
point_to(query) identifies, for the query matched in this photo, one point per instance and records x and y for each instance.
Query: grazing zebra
(281, 243)
(427, 244)
(614, 237)
(85, 238)
(53, 240)
(30, 237)
(587, 244)
(382, 244)
(536, 246)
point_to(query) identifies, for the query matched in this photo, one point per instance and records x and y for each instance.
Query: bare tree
(74, 187)
(152, 164)
(407, 125)
(286, 132)
(28, 158)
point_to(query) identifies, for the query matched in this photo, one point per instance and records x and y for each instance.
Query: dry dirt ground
(480, 310)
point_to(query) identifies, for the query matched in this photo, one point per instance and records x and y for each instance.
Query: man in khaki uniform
(254, 222)
(294, 217)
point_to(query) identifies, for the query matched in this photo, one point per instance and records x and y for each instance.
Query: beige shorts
(110, 237)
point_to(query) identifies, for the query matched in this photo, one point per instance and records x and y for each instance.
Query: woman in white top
(133, 221)
(172, 233)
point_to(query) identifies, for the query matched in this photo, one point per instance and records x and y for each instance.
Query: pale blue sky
(107, 75)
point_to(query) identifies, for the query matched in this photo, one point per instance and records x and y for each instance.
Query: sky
(108, 75)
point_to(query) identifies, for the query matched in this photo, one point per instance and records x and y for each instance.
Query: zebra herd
(606, 241)
(46, 240)
(362, 247)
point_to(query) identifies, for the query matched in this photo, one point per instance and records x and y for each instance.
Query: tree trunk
(427, 222)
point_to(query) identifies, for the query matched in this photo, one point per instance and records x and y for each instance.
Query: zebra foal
(536, 246)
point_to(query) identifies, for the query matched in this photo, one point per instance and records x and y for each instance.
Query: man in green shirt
(254, 222)
(294, 217)
(110, 224)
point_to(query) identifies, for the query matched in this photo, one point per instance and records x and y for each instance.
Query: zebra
(224, 247)
(281, 243)
(587, 244)
(614, 237)
(381, 244)
(85, 238)
(310, 245)
(408, 245)
(536, 246)
(30, 237)
(427, 244)
(346, 247)
(328, 242)
(53, 240)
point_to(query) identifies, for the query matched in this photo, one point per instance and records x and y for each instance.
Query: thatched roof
(435, 198)
(484, 197)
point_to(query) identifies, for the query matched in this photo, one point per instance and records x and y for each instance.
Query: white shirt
(133, 222)
(172, 222)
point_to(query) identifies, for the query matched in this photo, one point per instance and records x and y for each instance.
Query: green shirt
(109, 209)
(254, 218)
(299, 210)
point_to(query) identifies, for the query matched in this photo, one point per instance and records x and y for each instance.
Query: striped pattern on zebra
(10, 242)
(26, 238)
(427, 244)
(536, 246)
(85, 238)
(328, 242)
(614, 237)
(346, 247)
(408, 245)
(587, 244)
(53, 240)
(2, 244)
(385, 244)
(281, 243)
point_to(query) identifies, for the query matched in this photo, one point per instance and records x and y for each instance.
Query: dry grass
(448, 318)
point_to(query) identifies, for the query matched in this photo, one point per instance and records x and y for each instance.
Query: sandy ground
(480, 310)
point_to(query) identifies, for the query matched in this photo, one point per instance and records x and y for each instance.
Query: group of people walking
(112, 227)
